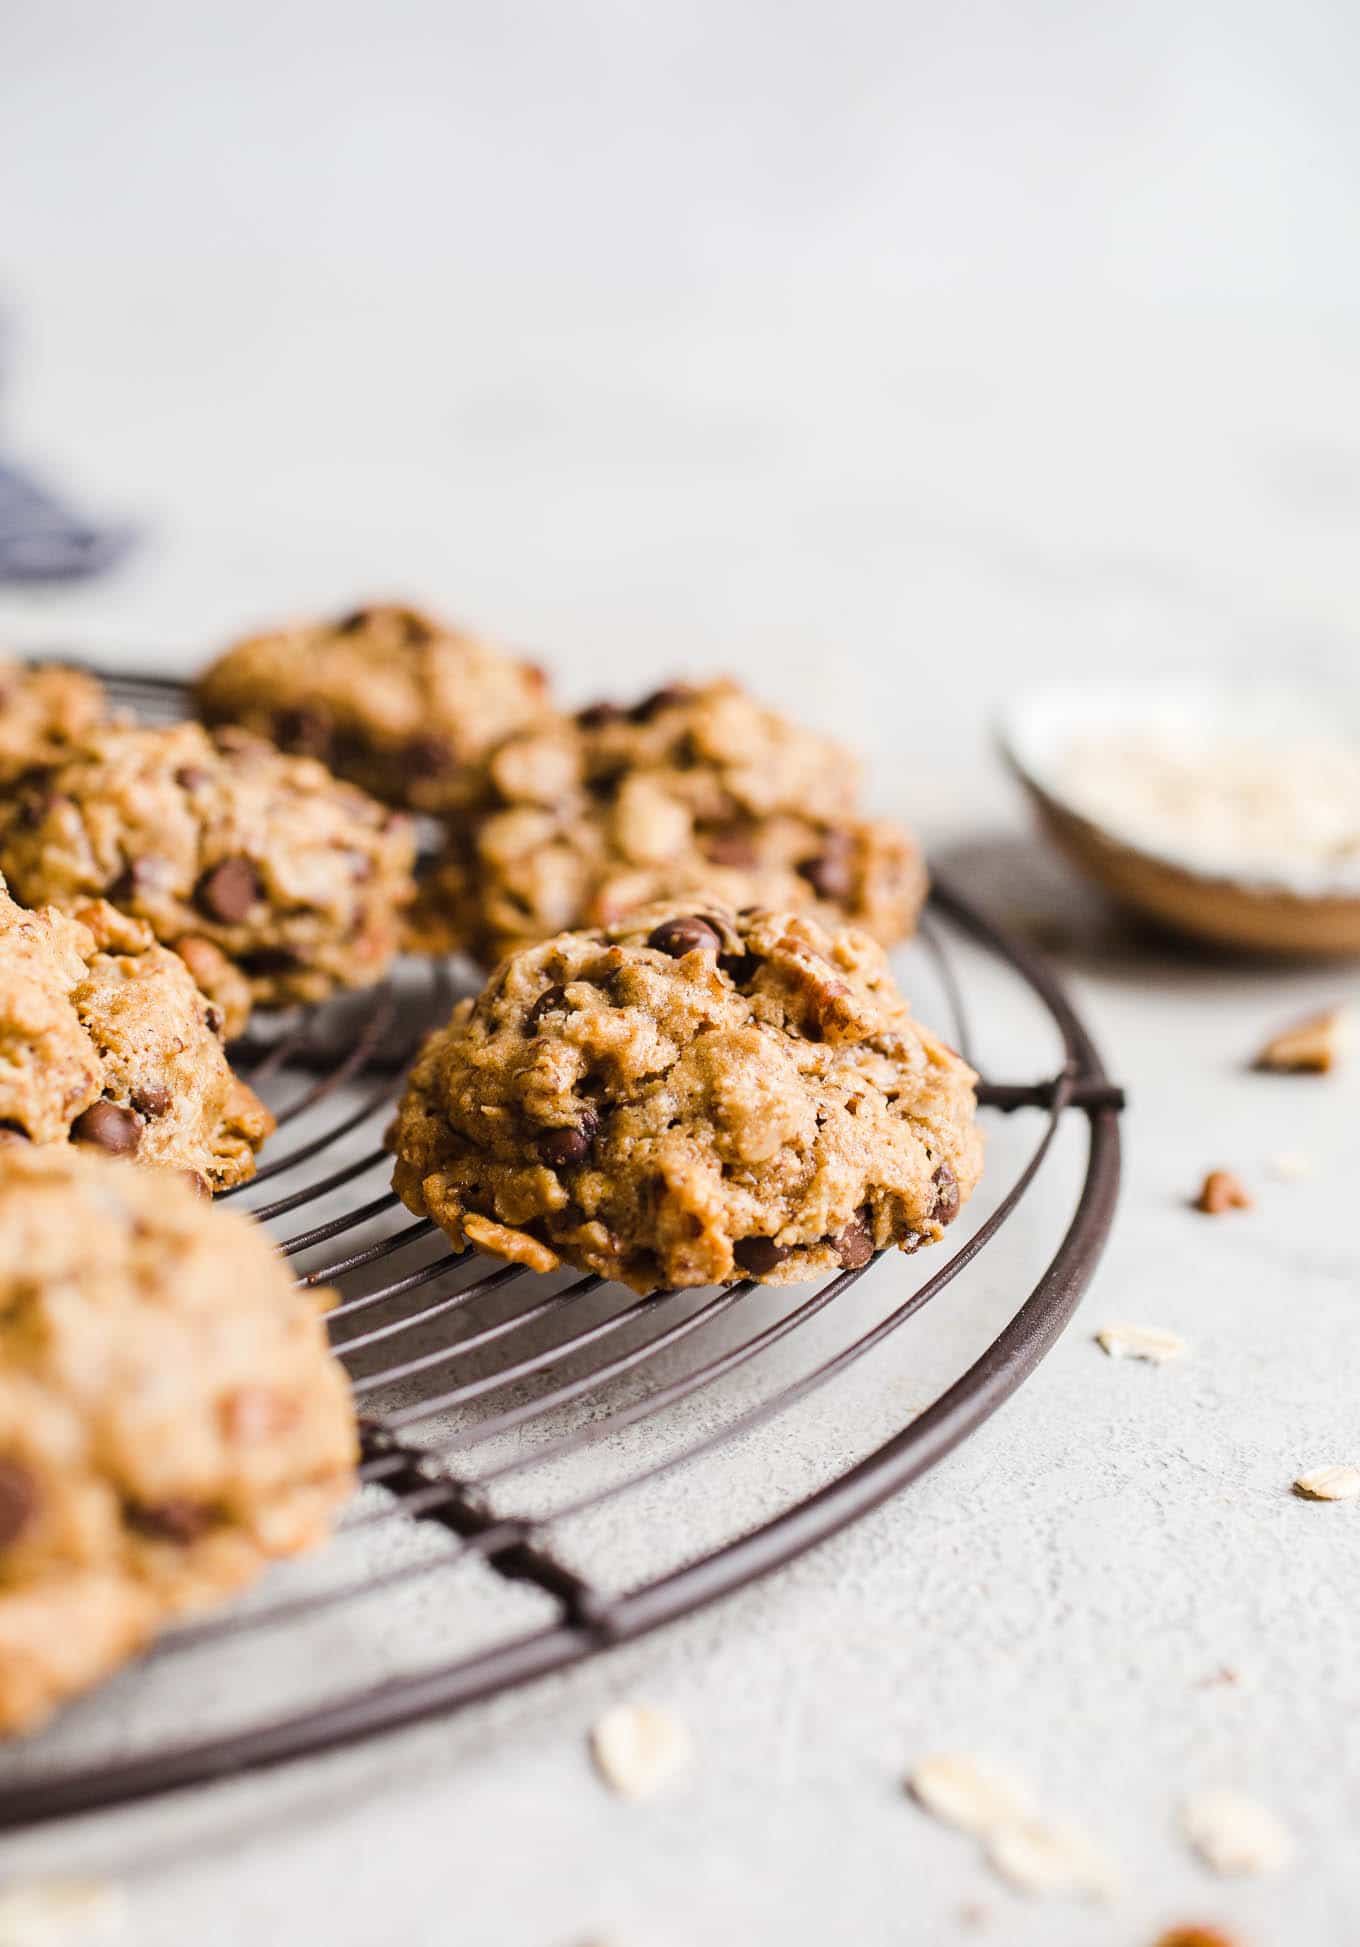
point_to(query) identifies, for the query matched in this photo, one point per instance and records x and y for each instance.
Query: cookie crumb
(1151, 1342)
(1329, 1484)
(1235, 1834)
(968, 1793)
(638, 1749)
(1309, 1047)
(1042, 1856)
(1221, 1191)
(62, 1913)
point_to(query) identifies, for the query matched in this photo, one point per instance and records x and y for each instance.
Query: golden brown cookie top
(689, 1096)
(105, 1040)
(294, 877)
(387, 695)
(44, 709)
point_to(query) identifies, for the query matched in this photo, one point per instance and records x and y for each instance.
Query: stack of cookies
(689, 1063)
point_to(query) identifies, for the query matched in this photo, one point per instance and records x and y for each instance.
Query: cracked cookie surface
(689, 1097)
(105, 1040)
(170, 1416)
(44, 709)
(388, 697)
(275, 881)
(579, 820)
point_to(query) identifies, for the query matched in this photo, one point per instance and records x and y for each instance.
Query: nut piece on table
(1221, 1191)
(1309, 1047)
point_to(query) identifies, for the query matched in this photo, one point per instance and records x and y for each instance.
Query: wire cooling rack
(548, 1465)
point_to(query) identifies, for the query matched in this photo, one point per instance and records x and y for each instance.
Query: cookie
(580, 820)
(689, 1097)
(44, 709)
(170, 1416)
(106, 1041)
(388, 697)
(277, 883)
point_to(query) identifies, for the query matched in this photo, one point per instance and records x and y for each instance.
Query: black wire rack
(498, 1406)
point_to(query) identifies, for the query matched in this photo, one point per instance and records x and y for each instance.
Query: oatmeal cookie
(44, 709)
(275, 882)
(579, 820)
(106, 1040)
(390, 698)
(170, 1416)
(689, 1097)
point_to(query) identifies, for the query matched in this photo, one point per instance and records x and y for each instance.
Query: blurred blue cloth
(41, 539)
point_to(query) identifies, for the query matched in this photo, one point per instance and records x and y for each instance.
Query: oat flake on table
(1236, 1834)
(1151, 1342)
(968, 1793)
(1329, 1484)
(1052, 1856)
(638, 1749)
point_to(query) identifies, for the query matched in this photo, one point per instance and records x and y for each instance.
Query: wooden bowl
(1265, 912)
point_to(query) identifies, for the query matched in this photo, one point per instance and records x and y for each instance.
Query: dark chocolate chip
(214, 1020)
(357, 619)
(177, 1520)
(19, 1500)
(596, 715)
(153, 1100)
(228, 889)
(192, 777)
(731, 846)
(304, 731)
(269, 960)
(740, 967)
(32, 808)
(139, 878)
(13, 1132)
(661, 699)
(759, 1255)
(832, 873)
(560, 1147)
(550, 1001)
(427, 757)
(855, 1244)
(681, 936)
(106, 1126)
(947, 1199)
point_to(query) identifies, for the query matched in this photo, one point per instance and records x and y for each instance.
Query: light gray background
(898, 357)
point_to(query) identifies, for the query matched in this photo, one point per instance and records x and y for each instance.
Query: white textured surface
(898, 366)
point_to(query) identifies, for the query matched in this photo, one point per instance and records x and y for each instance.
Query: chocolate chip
(427, 757)
(596, 715)
(214, 1020)
(269, 960)
(681, 936)
(304, 731)
(357, 619)
(740, 967)
(152, 1100)
(178, 1520)
(855, 1245)
(759, 1255)
(32, 808)
(947, 1199)
(13, 1132)
(661, 699)
(550, 1001)
(228, 889)
(192, 777)
(562, 1146)
(731, 846)
(19, 1501)
(832, 873)
(105, 1126)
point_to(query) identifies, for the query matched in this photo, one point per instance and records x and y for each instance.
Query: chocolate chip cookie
(390, 698)
(44, 709)
(276, 882)
(579, 820)
(170, 1416)
(688, 1097)
(106, 1041)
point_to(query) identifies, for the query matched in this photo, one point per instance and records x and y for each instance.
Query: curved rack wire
(555, 1378)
